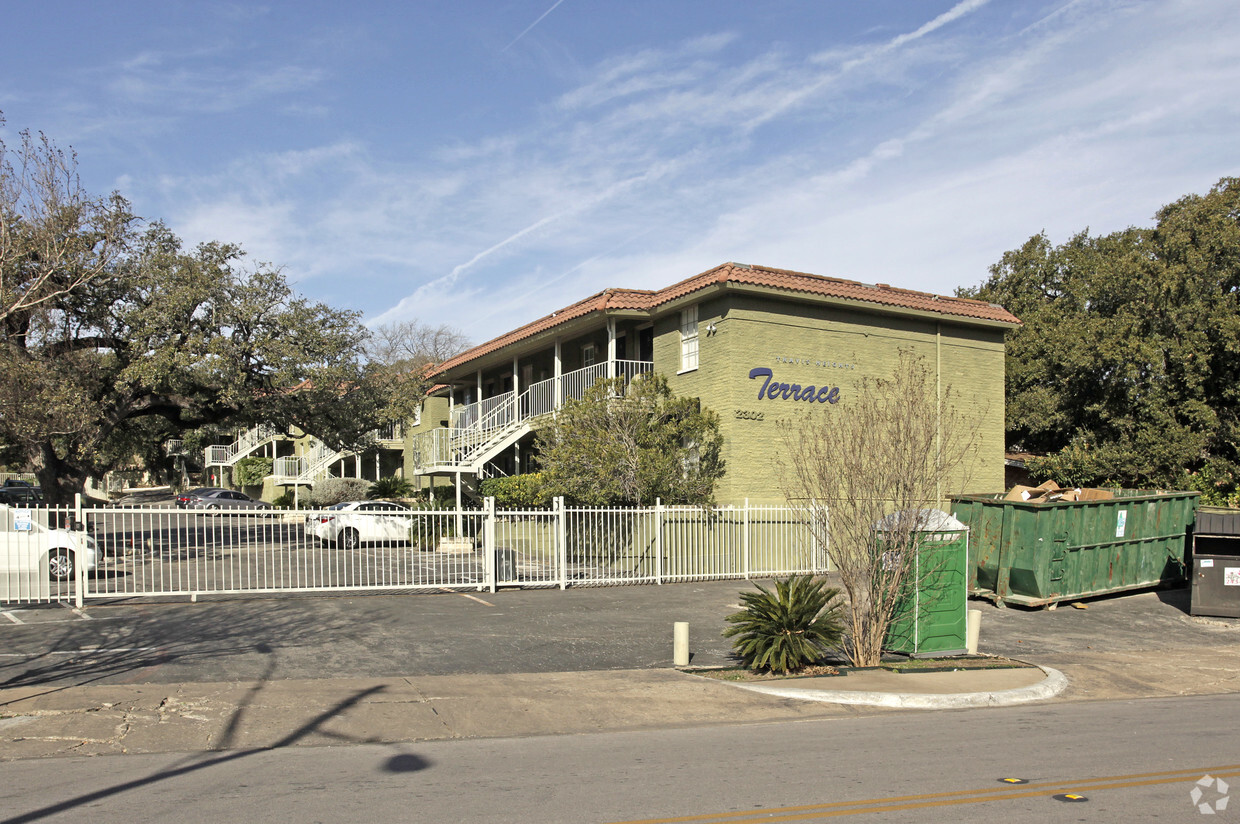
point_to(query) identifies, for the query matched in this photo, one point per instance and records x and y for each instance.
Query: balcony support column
(611, 348)
(559, 373)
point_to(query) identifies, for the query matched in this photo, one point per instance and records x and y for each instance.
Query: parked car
(27, 542)
(208, 497)
(20, 494)
(352, 523)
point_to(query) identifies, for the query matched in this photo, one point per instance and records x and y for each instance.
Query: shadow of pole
(176, 772)
(234, 722)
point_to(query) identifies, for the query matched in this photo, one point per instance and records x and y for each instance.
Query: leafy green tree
(113, 338)
(1127, 368)
(630, 445)
(788, 628)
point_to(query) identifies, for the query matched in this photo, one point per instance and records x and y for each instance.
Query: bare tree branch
(897, 448)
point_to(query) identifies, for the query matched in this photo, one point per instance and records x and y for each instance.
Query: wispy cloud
(914, 157)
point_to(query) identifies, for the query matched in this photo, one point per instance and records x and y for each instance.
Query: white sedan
(351, 523)
(29, 545)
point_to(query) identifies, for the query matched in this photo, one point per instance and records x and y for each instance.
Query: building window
(688, 339)
(589, 355)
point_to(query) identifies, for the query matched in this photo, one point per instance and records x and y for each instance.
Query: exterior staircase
(481, 431)
(246, 443)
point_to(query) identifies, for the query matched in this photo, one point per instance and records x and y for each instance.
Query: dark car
(208, 497)
(20, 494)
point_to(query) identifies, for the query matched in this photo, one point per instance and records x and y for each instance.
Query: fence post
(488, 539)
(561, 540)
(745, 539)
(818, 525)
(658, 540)
(79, 572)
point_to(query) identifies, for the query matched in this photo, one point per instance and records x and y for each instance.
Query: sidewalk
(89, 720)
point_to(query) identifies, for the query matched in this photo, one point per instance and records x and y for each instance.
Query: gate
(124, 552)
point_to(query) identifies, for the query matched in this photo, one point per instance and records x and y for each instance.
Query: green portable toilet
(931, 617)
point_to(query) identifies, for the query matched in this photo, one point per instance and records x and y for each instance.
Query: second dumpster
(1036, 554)
(1216, 564)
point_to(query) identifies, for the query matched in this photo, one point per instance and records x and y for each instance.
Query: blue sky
(482, 164)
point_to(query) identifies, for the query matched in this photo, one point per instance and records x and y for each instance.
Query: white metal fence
(122, 552)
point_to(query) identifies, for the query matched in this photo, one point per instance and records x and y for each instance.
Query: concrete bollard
(680, 643)
(973, 631)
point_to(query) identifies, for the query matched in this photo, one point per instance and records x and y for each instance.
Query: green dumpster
(1035, 554)
(931, 616)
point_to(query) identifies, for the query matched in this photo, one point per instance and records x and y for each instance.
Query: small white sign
(21, 520)
(1231, 576)
(1207, 562)
(1121, 521)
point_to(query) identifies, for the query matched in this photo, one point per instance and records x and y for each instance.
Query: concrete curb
(1054, 683)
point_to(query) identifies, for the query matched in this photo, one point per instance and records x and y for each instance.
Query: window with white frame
(689, 339)
(589, 355)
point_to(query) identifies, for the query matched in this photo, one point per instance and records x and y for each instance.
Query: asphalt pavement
(264, 672)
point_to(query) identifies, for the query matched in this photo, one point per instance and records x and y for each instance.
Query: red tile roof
(741, 275)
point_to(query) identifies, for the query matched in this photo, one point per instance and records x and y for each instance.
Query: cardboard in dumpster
(1052, 493)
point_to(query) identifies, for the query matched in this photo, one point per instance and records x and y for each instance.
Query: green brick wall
(820, 344)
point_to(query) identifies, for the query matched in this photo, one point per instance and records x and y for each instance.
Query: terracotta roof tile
(740, 274)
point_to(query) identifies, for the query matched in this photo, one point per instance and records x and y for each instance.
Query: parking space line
(80, 614)
(475, 599)
(12, 617)
(87, 651)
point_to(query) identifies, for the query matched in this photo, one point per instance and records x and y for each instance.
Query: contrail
(554, 6)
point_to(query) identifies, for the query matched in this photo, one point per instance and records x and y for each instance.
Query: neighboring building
(299, 461)
(750, 342)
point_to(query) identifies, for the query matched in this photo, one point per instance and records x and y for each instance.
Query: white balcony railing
(246, 442)
(477, 430)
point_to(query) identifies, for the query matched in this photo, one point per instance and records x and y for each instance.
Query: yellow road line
(945, 799)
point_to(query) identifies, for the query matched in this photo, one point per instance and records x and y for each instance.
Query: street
(1129, 760)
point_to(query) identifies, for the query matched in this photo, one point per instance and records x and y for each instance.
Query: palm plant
(390, 487)
(788, 628)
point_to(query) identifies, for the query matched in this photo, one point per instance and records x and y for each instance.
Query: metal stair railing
(479, 430)
(317, 461)
(247, 442)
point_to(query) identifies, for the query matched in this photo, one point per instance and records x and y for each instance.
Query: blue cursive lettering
(773, 390)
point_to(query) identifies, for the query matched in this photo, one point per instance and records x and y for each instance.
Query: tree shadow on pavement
(406, 762)
(131, 648)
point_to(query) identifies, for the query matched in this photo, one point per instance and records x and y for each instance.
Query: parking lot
(511, 631)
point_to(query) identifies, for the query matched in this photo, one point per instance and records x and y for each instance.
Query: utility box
(505, 564)
(1036, 554)
(932, 615)
(1216, 564)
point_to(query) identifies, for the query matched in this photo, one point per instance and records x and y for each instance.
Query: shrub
(284, 500)
(789, 628)
(515, 491)
(391, 487)
(251, 471)
(335, 490)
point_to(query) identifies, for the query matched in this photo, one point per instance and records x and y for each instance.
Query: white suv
(27, 543)
(351, 523)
